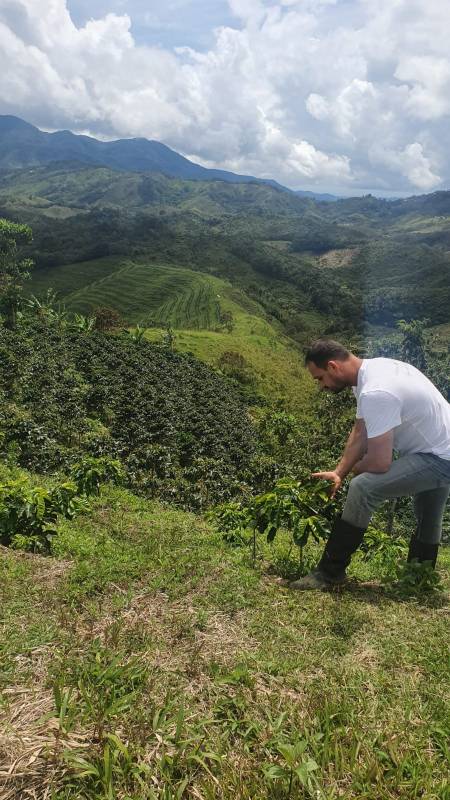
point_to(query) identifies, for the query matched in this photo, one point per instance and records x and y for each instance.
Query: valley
(158, 431)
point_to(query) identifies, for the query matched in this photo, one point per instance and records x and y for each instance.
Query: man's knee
(361, 501)
(361, 487)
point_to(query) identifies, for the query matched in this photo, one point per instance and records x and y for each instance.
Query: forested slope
(281, 250)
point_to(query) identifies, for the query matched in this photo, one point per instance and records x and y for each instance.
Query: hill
(137, 290)
(76, 186)
(422, 219)
(216, 322)
(310, 267)
(377, 208)
(24, 145)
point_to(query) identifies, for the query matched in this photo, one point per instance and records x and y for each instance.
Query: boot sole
(324, 587)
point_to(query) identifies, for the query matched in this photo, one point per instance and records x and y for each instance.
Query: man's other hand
(330, 476)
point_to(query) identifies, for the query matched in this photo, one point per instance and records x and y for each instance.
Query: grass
(148, 659)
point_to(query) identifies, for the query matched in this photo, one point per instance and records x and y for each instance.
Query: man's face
(331, 378)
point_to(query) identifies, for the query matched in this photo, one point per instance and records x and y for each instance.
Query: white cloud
(429, 80)
(410, 162)
(310, 92)
(317, 106)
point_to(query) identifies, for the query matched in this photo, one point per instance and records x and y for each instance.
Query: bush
(179, 428)
(89, 473)
(28, 515)
(107, 319)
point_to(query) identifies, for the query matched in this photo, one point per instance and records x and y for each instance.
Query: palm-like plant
(48, 307)
(137, 335)
(83, 324)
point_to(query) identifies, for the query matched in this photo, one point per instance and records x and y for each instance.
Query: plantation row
(196, 307)
(179, 429)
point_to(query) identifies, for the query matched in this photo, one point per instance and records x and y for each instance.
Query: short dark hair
(322, 351)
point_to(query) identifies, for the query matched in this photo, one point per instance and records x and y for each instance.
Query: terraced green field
(69, 278)
(189, 302)
(140, 291)
(274, 364)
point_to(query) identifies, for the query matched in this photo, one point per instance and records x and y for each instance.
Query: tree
(107, 319)
(13, 270)
(414, 344)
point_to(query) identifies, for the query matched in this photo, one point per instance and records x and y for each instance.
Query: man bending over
(398, 408)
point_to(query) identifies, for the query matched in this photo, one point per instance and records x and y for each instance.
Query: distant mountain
(77, 186)
(23, 145)
(318, 196)
(376, 208)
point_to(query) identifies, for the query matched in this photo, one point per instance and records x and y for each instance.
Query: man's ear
(332, 367)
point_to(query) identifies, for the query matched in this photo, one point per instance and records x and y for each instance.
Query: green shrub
(28, 515)
(89, 473)
(304, 509)
(180, 430)
(417, 578)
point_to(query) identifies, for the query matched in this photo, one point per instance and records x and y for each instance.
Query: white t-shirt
(394, 395)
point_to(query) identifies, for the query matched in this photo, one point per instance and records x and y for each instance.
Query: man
(398, 408)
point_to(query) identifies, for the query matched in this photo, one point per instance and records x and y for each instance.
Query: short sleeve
(381, 412)
(358, 409)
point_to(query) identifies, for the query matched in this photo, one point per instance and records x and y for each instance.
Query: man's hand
(330, 476)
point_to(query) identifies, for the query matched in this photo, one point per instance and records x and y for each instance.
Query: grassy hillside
(273, 365)
(172, 246)
(149, 660)
(146, 658)
(137, 289)
(247, 233)
(190, 302)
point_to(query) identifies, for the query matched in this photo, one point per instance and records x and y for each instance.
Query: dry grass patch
(44, 569)
(31, 742)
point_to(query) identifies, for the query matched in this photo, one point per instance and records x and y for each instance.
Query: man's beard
(337, 389)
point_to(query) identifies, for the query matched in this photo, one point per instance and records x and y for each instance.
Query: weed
(294, 767)
(416, 578)
(106, 683)
(113, 764)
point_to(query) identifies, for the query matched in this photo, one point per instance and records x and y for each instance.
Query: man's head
(332, 365)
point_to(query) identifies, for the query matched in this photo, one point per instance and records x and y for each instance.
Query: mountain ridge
(134, 154)
(24, 145)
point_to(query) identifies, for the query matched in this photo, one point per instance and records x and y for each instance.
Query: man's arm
(378, 457)
(354, 451)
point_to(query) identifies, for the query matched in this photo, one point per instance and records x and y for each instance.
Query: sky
(344, 96)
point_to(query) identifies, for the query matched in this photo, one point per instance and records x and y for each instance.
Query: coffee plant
(416, 578)
(28, 515)
(382, 550)
(180, 430)
(91, 472)
(303, 508)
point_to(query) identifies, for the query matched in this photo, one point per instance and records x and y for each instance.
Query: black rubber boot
(422, 551)
(344, 540)
(330, 571)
